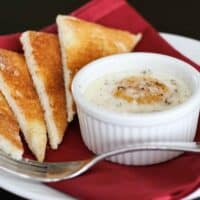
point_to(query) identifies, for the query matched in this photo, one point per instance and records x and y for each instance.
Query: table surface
(179, 17)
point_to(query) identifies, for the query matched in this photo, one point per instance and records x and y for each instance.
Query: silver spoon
(56, 171)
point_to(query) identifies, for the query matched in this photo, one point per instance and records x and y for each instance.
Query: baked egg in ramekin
(135, 98)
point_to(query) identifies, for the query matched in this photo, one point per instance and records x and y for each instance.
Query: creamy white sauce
(101, 92)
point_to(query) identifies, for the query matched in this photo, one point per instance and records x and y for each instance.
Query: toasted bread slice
(42, 53)
(10, 141)
(82, 42)
(18, 89)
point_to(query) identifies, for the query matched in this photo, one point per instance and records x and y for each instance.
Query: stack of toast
(35, 88)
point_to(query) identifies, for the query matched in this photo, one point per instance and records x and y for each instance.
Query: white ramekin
(104, 130)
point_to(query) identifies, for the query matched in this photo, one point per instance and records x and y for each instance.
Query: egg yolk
(141, 89)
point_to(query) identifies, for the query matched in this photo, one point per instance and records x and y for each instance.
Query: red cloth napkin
(171, 180)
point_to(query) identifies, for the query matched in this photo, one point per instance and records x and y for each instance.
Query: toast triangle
(17, 87)
(82, 42)
(42, 53)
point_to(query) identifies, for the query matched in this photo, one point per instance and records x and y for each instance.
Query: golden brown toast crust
(90, 41)
(14, 71)
(9, 128)
(45, 50)
(82, 42)
(17, 87)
